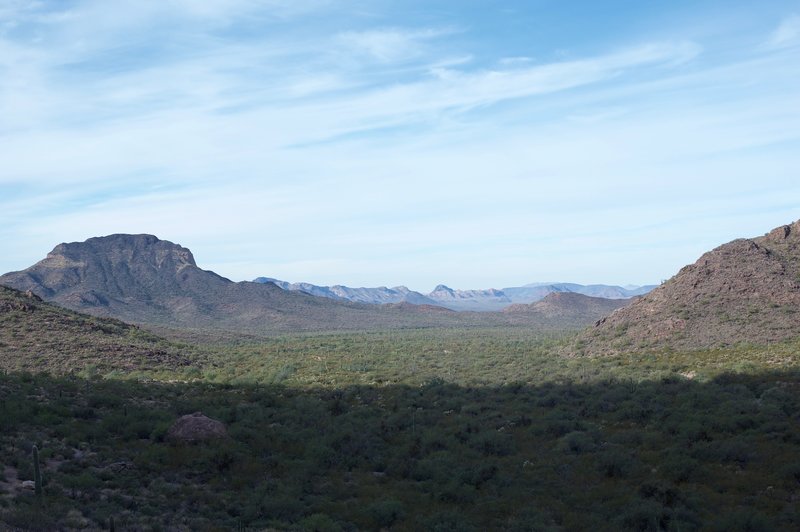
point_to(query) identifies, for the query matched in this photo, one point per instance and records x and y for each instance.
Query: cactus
(37, 473)
(111, 524)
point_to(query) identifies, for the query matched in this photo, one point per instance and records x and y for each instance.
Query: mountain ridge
(143, 280)
(479, 300)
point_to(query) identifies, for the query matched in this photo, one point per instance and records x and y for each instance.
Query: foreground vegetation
(433, 430)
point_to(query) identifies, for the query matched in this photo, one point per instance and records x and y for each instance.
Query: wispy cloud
(375, 147)
(391, 44)
(786, 34)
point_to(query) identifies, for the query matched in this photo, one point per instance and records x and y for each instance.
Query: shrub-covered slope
(39, 336)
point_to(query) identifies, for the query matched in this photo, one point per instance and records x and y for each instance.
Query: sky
(372, 142)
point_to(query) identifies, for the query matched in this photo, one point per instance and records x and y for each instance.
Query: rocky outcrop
(197, 427)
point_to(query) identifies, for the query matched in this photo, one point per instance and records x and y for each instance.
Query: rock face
(196, 427)
(745, 291)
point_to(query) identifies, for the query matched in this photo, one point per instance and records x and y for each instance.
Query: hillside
(38, 336)
(141, 279)
(569, 306)
(745, 291)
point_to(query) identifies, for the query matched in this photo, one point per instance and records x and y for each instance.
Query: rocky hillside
(746, 291)
(38, 336)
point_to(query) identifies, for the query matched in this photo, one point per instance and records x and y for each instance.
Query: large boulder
(195, 428)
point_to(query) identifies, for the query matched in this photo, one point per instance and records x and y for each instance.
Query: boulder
(195, 428)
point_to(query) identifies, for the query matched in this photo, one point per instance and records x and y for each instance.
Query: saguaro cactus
(37, 473)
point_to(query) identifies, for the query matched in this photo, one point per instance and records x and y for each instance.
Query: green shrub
(577, 443)
(319, 523)
(447, 521)
(616, 463)
(493, 443)
(387, 512)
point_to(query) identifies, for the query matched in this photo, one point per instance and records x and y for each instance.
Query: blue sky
(473, 143)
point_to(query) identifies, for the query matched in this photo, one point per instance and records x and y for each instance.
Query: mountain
(38, 336)
(477, 300)
(745, 291)
(570, 306)
(533, 292)
(141, 279)
(376, 296)
(488, 300)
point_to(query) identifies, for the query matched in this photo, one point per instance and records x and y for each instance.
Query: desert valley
(399, 266)
(158, 395)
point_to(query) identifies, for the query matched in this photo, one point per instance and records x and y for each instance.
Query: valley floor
(412, 430)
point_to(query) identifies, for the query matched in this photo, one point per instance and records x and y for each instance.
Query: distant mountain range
(141, 279)
(475, 300)
(377, 296)
(745, 291)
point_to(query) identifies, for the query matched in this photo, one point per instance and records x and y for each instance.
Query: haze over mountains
(141, 279)
(474, 300)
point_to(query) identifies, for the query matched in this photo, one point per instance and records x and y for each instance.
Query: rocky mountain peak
(442, 288)
(130, 248)
(91, 273)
